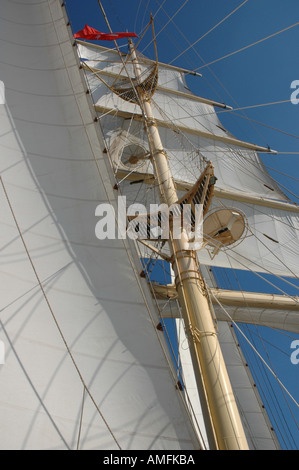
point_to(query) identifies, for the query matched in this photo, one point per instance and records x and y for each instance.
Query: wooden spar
(238, 298)
(256, 300)
(160, 88)
(148, 61)
(218, 192)
(271, 310)
(224, 427)
(221, 138)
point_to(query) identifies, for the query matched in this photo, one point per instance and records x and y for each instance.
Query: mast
(224, 425)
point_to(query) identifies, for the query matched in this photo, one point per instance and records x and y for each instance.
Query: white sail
(76, 374)
(272, 235)
(191, 133)
(86, 365)
(238, 168)
(270, 244)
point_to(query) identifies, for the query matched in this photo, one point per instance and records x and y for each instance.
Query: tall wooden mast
(224, 427)
(223, 423)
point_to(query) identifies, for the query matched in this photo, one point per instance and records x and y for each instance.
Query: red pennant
(91, 33)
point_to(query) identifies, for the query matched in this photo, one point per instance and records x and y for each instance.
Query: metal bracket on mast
(196, 334)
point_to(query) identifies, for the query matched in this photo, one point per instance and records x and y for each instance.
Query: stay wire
(208, 32)
(247, 47)
(166, 24)
(257, 365)
(256, 351)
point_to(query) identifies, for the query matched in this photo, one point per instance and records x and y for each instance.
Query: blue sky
(258, 75)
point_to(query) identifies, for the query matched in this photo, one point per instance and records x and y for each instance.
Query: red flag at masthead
(90, 33)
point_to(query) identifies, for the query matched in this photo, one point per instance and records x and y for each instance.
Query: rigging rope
(257, 365)
(265, 125)
(255, 350)
(170, 345)
(295, 153)
(245, 265)
(284, 174)
(170, 19)
(208, 32)
(169, 122)
(254, 106)
(247, 47)
(270, 395)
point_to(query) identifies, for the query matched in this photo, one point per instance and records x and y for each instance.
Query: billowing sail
(85, 366)
(192, 134)
(270, 244)
(86, 363)
(189, 128)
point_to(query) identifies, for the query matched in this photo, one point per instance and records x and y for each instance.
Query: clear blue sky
(258, 75)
